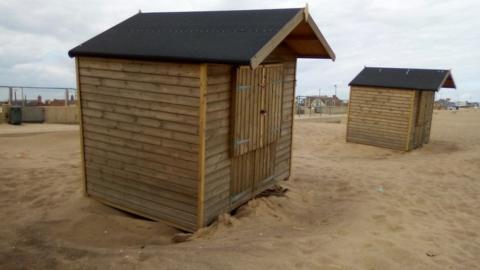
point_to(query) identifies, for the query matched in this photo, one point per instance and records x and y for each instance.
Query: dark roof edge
(166, 59)
(448, 75)
(391, 87)
(72, 53)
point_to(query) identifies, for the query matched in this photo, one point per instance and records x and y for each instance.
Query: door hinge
(243, 87)
(239, 142)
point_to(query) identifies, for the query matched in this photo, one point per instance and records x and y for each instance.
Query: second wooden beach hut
(393, 107)
(187, 115)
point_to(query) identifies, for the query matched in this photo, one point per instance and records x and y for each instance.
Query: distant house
(321, 101)
(393, 107)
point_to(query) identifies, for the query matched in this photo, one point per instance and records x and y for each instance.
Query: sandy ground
(348, 207)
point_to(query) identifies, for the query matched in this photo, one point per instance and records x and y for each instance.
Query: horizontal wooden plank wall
(217, 152)
(140, 124)
(380, 117)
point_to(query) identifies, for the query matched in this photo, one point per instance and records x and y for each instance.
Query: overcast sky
(35, 37)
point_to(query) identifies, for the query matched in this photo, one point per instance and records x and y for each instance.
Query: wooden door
(256, 120)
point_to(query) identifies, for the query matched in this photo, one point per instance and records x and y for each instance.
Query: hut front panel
(221, 83)
(256, 127)
(422, 121)
(140, 131)
(283, 157)
(257, 112)
(379, 116)
(217, 150)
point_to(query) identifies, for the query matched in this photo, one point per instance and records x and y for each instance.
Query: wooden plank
(81, 133)
(139, 137)
(119, 170)
(142, 66)
(90, 86)
(152, 193)
(141, 212)
(173, 154)
(113, 121)
(201, 149)
(136, 203)
(410, 123)
(152, 105)
(176, 82)
(134, 153)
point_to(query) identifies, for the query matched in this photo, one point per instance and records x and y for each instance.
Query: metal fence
(37, 96)
(39, 104)
(316, 106)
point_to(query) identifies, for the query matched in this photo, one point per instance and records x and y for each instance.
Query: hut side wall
(283, 158)
(140, 133)
(380, 117)
(217, 165)
(421, 124)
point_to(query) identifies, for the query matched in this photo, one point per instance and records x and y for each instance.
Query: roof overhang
(302, 35)
(448, 82)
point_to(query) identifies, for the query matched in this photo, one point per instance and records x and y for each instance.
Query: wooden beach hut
(393, 107)
(187, 115)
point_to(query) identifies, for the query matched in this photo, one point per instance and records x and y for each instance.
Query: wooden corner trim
(201, 145)
(80, 120)
(348, 112)
(410, 124)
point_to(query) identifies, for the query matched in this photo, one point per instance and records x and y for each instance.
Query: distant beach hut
(188, 115)
(393, 107)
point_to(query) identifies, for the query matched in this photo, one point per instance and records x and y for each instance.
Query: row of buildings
(445, 104)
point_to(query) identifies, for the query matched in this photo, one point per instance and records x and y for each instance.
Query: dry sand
(348, 207)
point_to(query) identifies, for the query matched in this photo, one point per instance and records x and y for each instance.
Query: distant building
(320, 101)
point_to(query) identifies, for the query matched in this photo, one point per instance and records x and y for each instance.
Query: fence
(316, 106)
(40, 104)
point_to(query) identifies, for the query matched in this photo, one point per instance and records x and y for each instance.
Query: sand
(348, 206)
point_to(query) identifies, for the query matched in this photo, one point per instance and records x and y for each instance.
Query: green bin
(15, 116)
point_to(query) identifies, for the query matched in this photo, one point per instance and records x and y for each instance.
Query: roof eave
(320, 37)
(448, 81)
(301, 16)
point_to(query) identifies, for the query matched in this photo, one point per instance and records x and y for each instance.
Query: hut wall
(217, 152)
(283, 157)
(422, 120)
(140, 135)
(380, 117)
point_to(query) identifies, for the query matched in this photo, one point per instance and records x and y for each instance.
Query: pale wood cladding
(257, 101)
(217, 164)
(221, 80)
(380, 116)
(140, 125)
(422, 121)
(141, 122)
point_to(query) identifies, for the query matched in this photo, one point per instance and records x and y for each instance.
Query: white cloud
(36, 35)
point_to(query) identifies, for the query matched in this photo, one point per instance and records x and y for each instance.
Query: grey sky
(36, 35)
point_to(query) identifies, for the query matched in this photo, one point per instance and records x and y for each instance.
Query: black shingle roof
(403, 78)
(208, 36)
